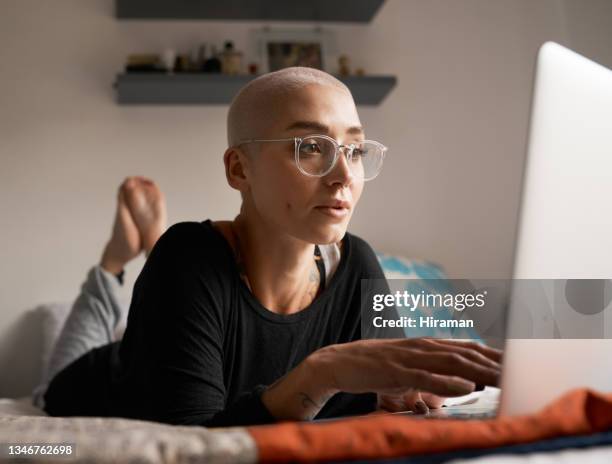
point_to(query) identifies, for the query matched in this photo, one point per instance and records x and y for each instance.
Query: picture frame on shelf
(281, 48)
(285, 54)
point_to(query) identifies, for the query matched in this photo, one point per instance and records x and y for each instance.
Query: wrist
(300, 394)
(320, 366)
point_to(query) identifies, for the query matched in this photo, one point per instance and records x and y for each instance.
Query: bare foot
(147, 206)
(125, 242)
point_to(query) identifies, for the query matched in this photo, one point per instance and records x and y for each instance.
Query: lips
(337, 213)
(336, 204)
(335, 208)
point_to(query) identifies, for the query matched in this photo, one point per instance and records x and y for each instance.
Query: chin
(325, 234)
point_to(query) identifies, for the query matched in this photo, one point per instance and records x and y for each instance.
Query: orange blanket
(383, 436)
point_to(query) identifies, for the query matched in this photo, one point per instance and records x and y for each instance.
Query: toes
(146, 180)
(129, 183)
(126, 186)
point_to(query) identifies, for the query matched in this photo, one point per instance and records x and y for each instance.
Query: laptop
(564, 229)
(564, 232)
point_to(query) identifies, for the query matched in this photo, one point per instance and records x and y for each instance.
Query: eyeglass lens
(316, 156)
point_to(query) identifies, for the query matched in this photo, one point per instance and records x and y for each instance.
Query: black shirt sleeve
(172, 351)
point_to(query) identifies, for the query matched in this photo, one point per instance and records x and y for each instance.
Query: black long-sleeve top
(199, 348)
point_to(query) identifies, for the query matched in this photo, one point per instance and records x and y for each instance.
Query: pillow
(398, 267)
(19, 407)
(53, 317)
(415, 275)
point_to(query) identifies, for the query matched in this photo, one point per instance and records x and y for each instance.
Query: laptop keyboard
(454, 412)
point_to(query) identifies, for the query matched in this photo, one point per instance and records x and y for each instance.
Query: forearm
(301, 393)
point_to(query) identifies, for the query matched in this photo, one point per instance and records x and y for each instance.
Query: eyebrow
(317, 126)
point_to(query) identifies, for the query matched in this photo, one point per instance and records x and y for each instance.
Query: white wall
(455, 126)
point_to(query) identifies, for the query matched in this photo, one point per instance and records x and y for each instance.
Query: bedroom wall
(455, 126)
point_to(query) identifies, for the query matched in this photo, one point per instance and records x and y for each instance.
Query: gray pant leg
(92, 322)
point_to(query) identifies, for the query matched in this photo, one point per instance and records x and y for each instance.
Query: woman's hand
(435, 368)
(393, 367)
(412, 400)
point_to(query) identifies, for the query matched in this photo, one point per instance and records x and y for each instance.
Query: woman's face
(290, 201)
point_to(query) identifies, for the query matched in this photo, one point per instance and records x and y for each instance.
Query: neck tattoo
(313, 288)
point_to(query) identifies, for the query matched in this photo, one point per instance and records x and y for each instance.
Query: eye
(361, 149)
(310, 148)
(358, 152)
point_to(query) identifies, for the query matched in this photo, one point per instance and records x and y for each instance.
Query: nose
(341, 172)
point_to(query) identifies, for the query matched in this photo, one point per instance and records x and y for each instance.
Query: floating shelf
(219, 89)
(254, 10)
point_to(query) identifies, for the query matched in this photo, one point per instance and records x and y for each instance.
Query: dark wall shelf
(240, 10)
(211, 89)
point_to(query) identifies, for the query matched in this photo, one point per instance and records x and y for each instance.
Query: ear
(236, 168)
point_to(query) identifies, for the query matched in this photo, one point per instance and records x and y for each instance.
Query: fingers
(433, 401)
(421, 402)
(455, 364)
(466, 359)
(440, 367)
(413, 400)
(391, 403)
(469, 353)
(443, 359)
(491, 353)
(441, 385)
(410, 400)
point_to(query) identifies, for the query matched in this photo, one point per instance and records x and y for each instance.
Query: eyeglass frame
(297, 141)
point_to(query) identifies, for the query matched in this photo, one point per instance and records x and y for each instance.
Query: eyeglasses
(316, 155)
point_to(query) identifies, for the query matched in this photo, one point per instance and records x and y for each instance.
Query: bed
(577, 427)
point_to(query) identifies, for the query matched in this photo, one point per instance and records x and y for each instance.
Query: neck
(280, 269)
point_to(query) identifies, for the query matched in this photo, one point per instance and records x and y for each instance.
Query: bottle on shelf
(213, 63)
(231, 60)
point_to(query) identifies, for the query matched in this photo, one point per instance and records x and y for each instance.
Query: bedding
(579, 412)
(594, 447)
(19, 407)
(601, 455)
(580, 419)
(112, 440)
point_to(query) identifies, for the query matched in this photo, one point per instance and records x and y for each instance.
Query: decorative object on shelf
(169, 59)
(253, 68)
(213, 63)
(285, 54)
(360, 72)
(201, 56)
(344, 65)
(231, 60)
(183, 63)
(194, 60)
(281, 48)
(144, 62)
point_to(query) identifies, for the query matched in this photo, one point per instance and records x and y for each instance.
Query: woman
(241, 322)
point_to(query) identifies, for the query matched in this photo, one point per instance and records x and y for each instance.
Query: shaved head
(255, 109)
(276, 195)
